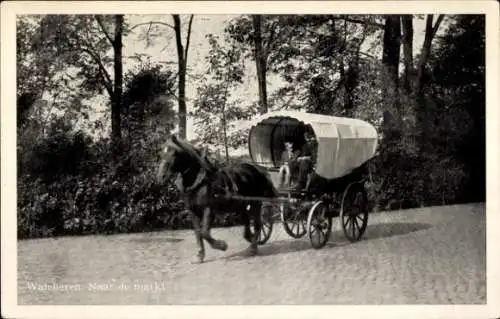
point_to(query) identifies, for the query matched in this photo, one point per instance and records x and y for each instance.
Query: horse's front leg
(199, 239)
(205, 232)
(257, 226)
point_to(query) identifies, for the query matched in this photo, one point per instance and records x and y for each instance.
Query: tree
(257, 35)
(260, 62)
(407, 24)
(36, 74)
(457, 82)
(430, 33)
(146, 100)
(213, 106)
(182, 58)
(390, 63)
(182, 53)
(81, 43)
(309, 53)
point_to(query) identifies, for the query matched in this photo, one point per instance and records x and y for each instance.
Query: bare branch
(151, 23)
(188, 37)
(436, 25)
(104, 73)
(367, 55)
(271, 38)
(103, 28)
(375, 24)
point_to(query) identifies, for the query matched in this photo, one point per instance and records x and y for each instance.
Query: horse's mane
(195, 153)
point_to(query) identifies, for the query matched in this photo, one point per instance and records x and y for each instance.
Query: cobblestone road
(423, 256)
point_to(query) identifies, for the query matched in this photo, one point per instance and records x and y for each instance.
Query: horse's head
(177, 157)
(169, 161)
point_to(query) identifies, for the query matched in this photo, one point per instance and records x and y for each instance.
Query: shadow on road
(159, 239)
(392, 229)
(278, 247)
(337, 239)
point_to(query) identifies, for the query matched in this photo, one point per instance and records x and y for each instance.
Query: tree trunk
(422, 111)
(430, 32)
(390, 62)
(407, 20)
(260, 62)
(352, 78)
(181, 62)
(117, 92)
(351, 82)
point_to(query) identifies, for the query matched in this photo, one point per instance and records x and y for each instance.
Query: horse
(207, 190)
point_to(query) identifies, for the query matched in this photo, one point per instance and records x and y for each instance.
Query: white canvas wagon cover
(343, 144)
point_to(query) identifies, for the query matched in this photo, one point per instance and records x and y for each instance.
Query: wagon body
(343, 144)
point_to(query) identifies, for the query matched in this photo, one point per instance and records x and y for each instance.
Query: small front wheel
(266, 228)
(267, 224)
(319, 225)
(293, 221)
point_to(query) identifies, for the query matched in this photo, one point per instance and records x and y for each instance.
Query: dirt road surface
(431, 255)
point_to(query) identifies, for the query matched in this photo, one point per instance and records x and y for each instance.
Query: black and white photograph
(254, 157)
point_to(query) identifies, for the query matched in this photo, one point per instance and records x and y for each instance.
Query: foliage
(147, 82)
(214, 108)
(458, 82)
(70, 183)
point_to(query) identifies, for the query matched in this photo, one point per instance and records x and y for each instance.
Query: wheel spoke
(361, 217)
(346, 221)
(353, 229)
(357, 226)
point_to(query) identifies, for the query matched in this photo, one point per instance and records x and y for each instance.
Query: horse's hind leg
(205, 232)
(199, 238)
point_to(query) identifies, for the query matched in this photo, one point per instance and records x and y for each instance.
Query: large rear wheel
(354, 211)
(319, 225)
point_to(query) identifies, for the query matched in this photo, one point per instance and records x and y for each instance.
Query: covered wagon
(342, 148)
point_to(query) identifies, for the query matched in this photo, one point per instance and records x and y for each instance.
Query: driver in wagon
(300, 160)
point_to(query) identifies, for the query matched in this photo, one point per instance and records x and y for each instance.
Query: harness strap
(233, 186)
(200, 181)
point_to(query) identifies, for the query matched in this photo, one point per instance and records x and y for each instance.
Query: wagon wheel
(354, 211)
(293, 221)
(319, 225)
(267, 224)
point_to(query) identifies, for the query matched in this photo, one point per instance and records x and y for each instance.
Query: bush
(100, 195)
(407, 176)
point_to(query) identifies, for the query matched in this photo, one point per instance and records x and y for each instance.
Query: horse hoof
(223, 245)
(198, 260)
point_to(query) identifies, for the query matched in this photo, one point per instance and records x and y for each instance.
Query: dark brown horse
(207, 189)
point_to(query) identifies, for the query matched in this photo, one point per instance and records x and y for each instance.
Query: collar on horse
(203, 178)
